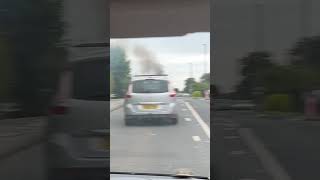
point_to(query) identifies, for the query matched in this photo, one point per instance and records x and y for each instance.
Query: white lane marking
(204, 126)
(187, 119)
(184, 109)
(268, 161)
(196, 138)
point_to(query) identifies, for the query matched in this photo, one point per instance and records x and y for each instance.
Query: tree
(253, 67)
(205, 78)
(294, 80)
(306, 52)
(199, 86)
(189, 83)
(215, 90)
(120, 69)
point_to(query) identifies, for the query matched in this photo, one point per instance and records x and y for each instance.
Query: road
(27, 164)
(254, 147)
(162, 148)
(147, 148)
(22, 151)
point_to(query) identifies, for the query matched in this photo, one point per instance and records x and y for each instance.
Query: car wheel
(174, 120)
(128, 122)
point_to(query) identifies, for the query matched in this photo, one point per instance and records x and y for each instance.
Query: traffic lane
(159, 148)
(293, 143)
(17, 134)
(27, 164)
(202, 106)
(232, 158)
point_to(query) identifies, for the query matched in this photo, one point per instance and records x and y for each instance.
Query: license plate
(150, 106)
(103, 144)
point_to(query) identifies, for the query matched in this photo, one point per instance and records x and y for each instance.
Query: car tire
(128, 122)
(174, 121)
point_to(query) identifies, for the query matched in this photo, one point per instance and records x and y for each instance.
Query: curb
(115, 108)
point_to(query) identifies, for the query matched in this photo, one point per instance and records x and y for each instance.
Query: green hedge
(278, 102)
(196, 94)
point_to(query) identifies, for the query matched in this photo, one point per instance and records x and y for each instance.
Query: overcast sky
(174, 53)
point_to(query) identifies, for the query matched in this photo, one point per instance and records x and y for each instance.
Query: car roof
(144, 77)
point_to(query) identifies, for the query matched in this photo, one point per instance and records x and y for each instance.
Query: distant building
(242, 26)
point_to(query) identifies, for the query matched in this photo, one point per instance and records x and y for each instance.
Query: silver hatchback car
(150, 97)
(79, 132)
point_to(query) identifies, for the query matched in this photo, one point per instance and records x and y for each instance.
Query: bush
(196, 94)
(278, 102)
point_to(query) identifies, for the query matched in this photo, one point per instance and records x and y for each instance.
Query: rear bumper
(63, 153)
(151, 116)
(168, 110)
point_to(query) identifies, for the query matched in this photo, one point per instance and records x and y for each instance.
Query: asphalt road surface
(202, 106)
(160, 147)
(22, 154)
(29, 164)
(248, 146)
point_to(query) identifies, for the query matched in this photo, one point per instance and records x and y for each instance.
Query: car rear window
(150, 86)
(90, 80)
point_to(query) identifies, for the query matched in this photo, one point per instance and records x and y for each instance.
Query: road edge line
(268, 161)
(195, 114)
(116, 107)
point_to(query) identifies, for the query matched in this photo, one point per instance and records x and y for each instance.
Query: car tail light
(173, 95)
(128, 96)
(58, 110)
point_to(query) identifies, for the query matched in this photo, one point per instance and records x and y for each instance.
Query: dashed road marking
(204, 126)
(196, 138)
(187, 119)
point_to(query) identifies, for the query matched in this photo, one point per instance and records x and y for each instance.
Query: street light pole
(204, 58)
(191, 76)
